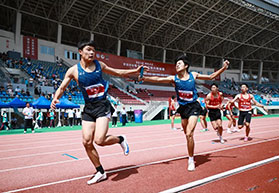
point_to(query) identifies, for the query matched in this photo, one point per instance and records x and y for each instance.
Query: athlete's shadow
(125, 173)
(217, 140)
(201, 159)
(249, 139)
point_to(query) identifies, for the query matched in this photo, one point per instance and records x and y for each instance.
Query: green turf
(133, 124)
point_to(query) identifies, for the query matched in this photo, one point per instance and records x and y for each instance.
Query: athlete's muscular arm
(59, 92)
(214, 74)
(169, 79)
(258, 104)
(119, 72)
(236, 98)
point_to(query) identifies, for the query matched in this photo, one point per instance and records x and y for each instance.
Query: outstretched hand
(226, 64)
(145, 68)
(53, 104)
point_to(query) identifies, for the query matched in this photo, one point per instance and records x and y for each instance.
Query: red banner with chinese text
(30, 47)
(155, 68)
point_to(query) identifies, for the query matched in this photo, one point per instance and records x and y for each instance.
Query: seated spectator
(27, 92)
(31, 80)
(18, 90)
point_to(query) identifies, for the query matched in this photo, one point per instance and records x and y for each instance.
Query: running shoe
(245, 139)
(124, 145)
(191, 166)
(236, 130)
(229, 131)
(97, 178)
(222, 141)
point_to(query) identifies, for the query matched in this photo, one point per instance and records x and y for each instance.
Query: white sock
(191, 159)
(221, 137)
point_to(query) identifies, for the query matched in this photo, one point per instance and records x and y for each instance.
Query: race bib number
(185, 95)
(96, 90)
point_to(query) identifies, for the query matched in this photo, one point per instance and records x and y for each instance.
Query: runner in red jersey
(245, 108)
(214, 105)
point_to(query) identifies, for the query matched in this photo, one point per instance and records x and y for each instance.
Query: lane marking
(120, 153)
(137, 166)
(167, 130)
(219, 176)
(253, 188)
(160, 134)
(70, 156)
(180, 137)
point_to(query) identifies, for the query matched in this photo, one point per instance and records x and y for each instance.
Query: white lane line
(209, 179)
(166, 132)
(118, 153)
(78, 131)
(137, 166)
(67, 144)
(39, 136)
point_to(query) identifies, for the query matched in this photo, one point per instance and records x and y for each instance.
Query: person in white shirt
(78, 117)
(28, 113)
(17, 89)
(114, 117)
(71, 116)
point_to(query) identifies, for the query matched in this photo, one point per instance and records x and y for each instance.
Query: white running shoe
(236, 130)
(124, 145)
(191, 166)
(24, 132)
(222, 141)
(97, 178)
(229, 131)
(33, 131)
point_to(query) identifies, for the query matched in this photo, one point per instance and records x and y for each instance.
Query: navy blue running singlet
(92, 84)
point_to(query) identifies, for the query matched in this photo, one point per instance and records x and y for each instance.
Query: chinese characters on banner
(155, 68)
(30, 47)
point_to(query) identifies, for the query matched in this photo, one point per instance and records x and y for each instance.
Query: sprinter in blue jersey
(189, 107)
(97, 111)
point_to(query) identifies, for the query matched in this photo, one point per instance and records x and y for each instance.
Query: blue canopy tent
(17, 103)
(41, 103)
(66, 104)
(4, 105)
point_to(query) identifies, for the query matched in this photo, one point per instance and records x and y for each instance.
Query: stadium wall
(7, 42)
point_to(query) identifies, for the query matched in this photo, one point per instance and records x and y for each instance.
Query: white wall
(4, 36)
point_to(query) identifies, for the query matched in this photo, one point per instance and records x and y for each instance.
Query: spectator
(51, 119)
(27, 92)
(26, 83)
(5, 122)
(65, 118)
(71, 116)
(31, 80)
(28, 112)
(124, 116)
(17, 90)
(114, 117)
(78, 117)
(40, 118)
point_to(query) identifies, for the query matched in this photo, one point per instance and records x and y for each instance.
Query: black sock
(100, 169)
(120, 139)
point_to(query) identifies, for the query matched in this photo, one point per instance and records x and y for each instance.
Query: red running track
(36, 163)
